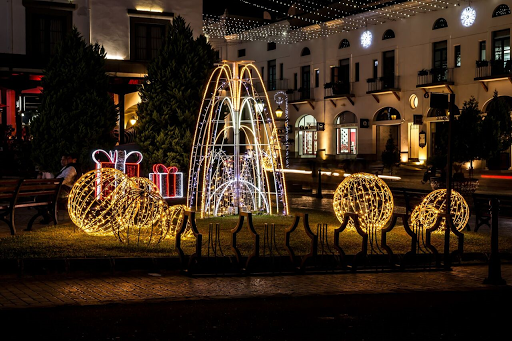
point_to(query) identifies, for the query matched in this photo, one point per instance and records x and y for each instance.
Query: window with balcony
(456, 54)
(305, 82)
(482, 50)
(146, 37)
(501, 45)
(272, 75)
(388, 69)
(439, 61)
(45, 28)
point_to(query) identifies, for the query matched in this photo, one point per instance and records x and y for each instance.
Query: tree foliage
(77, 114)
(496, 128)
(171, 96)
(466, 127)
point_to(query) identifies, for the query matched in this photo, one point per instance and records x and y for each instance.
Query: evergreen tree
(496, 128)
(77, 115)
(466, 129)
(171, 96)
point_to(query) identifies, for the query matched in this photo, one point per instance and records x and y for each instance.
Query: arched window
(346, 133)
(501, 10)
(389, 34)
(434, 112)
(440, 23)
(307, 135)
(305, 52)
(386, 114)
(344, 43)
(345, 117)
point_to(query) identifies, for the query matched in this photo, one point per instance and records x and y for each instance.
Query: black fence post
(494, 276)
(319, 190)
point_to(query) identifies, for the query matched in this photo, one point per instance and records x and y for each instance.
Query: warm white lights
(367, 196)
(366, 39)
(425, 214)
(107, 202)
(236, 158)
(413, 101)
(468, 16)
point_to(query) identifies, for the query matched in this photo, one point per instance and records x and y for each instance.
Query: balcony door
(305, 82)
(440, 61)
(388, 69)
(272, 75)
(501, 45)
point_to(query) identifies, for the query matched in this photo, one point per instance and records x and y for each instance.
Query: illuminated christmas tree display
(236, 162)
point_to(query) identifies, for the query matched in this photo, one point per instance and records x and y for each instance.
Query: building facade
(131, 31)
(375, 82)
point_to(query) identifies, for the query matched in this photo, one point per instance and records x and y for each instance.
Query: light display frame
(468, 16)
(168, 181)
(236, 161)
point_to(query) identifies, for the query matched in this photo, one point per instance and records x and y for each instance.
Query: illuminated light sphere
(425, 214)
(468, 16)
(368, 196)
(142, 215)
(176, 214)
(91, 202)
(366, 39)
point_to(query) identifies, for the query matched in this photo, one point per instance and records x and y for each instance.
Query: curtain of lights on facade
(236, 160)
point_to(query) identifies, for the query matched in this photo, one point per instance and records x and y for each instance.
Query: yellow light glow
(149, 9)
(425, 214)
(367, 196)
(107, 202)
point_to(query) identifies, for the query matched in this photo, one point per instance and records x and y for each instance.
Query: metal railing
(493, 68)
(435, 75)
(383, 83)
(301, 95)
(277, 84)
(338, 89)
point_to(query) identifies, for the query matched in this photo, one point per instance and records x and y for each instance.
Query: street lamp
(279, 112)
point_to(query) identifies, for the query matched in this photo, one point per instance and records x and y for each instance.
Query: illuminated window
(440, 23)
(307, 135)
(344, 44)
(501, 10)
(346, 133)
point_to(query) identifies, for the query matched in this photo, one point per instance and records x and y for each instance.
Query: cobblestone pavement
(58, 290)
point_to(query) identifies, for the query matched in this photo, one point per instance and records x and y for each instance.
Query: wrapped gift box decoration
(168, 180)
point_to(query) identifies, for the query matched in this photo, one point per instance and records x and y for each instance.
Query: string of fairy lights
(338, 17)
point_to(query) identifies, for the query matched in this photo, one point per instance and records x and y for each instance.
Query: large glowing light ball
(176, 214)
(425, 214)
(91, 202)
(368, 196)
(141, 213)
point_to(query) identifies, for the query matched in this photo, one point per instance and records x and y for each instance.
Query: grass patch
(66, 241)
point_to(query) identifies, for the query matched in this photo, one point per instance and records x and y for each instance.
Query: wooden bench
(481, 208)
(20, 193)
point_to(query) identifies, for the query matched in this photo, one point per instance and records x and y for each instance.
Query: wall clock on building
(468, 16)
(366, 39)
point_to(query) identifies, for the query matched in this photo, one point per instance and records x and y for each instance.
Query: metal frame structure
(236, 162)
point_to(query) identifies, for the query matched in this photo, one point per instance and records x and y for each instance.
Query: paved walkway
(31, 292)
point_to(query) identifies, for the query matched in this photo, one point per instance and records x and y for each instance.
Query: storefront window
(307, 135)
(346, 140)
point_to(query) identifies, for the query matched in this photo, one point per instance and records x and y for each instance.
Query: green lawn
(66, 241)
